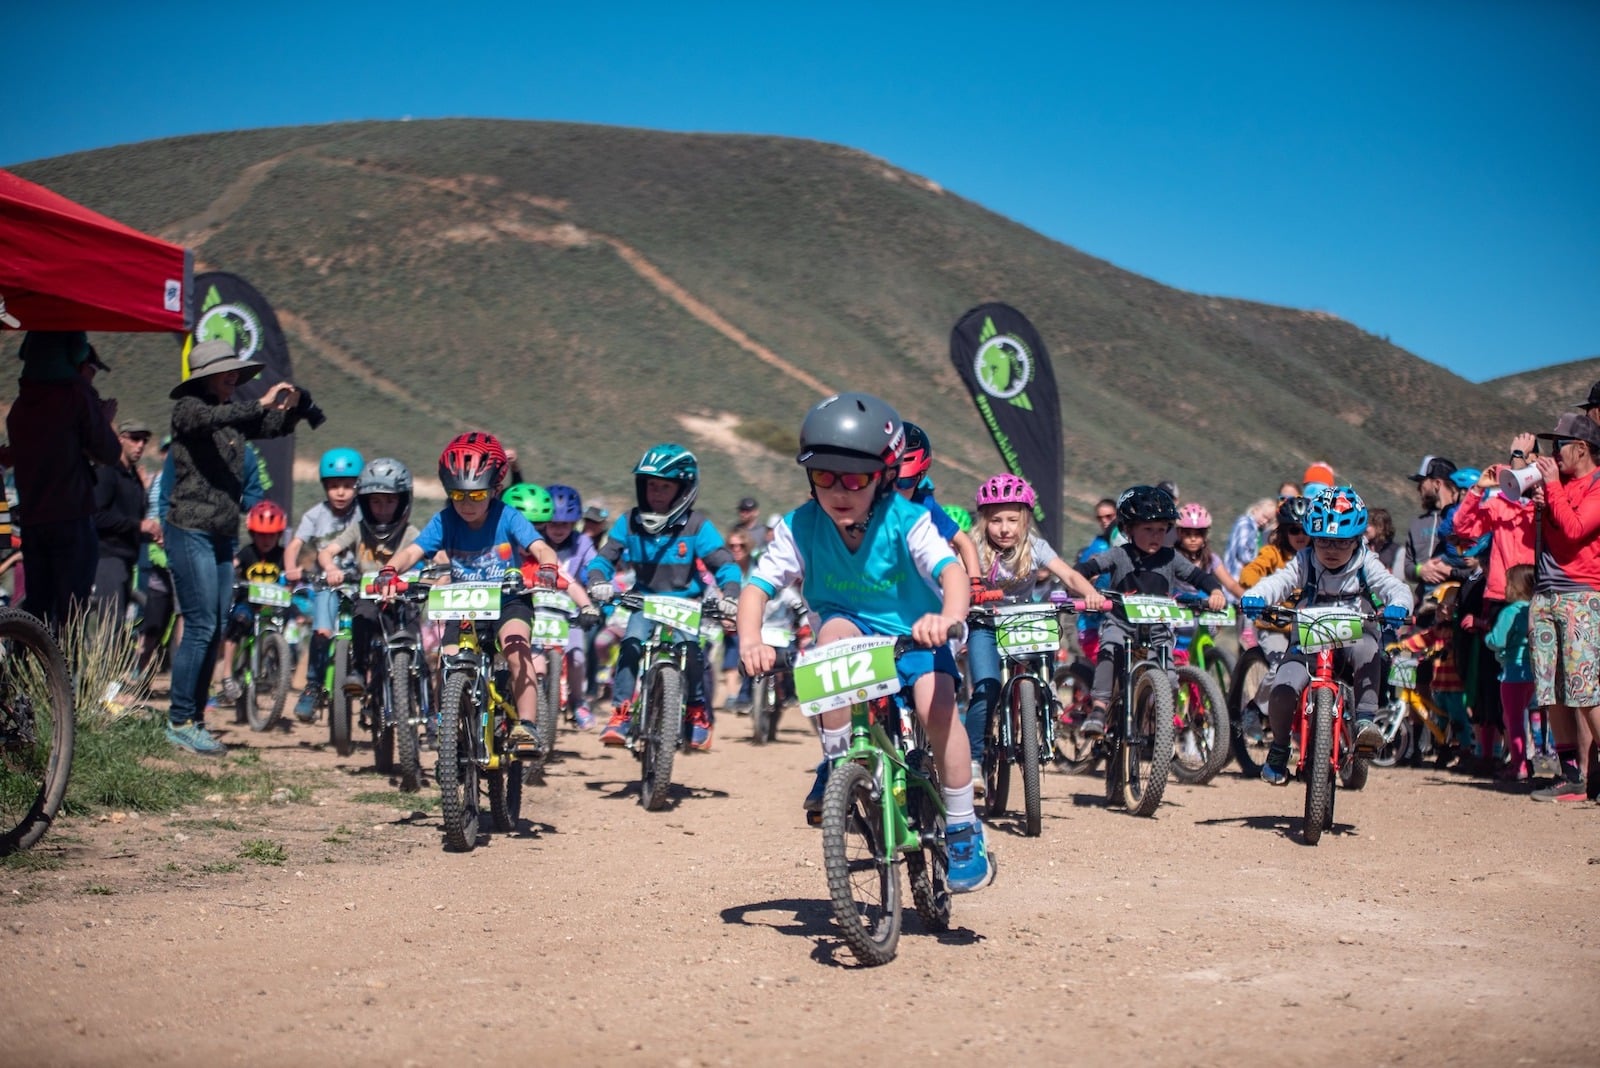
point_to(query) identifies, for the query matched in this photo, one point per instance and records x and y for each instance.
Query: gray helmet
(385, 475)
(852, 432)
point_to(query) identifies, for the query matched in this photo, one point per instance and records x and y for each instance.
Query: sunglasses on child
(850, 480)
(469, 495)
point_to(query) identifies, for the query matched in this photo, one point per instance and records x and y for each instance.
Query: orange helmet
(266, 518)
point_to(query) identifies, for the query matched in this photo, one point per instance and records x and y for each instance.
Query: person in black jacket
(120, 501)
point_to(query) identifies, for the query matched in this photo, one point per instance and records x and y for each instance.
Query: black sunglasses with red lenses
(850, 480)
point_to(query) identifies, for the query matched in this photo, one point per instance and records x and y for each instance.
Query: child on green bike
(871, 562)
(260, 561)
(483, 538)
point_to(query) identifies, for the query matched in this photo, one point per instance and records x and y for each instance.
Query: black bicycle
(37, 724)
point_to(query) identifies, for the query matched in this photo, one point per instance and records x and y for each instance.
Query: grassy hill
(586, 291)
(1550, 389)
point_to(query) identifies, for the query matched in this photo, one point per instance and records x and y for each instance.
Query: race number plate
(675, 612)
(1326, 628)
(1144, 608)
(845, 673)
(777, 637)
(555, 601)
(1403, 672)
(619, 617)
(270, 594)
(1226, 618)
(1023, 629)
(465, 600)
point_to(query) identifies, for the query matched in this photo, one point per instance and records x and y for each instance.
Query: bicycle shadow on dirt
(813, 918)
(1282, 825)
(1099, 801)
(1014, 824)
(614, 790)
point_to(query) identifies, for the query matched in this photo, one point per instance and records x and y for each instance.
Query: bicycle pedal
(813, 819)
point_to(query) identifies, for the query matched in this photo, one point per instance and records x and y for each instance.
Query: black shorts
(519, 607)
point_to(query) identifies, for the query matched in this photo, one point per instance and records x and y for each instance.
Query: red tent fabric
(64, 267)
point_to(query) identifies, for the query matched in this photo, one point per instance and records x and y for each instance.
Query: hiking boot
(582, 718)
(1369, 738)
(231, 691)
(616, 732)
(699, 728)
(196, 739)
(969, 858)
(813, 801)
(305, 709)
(1562, 790)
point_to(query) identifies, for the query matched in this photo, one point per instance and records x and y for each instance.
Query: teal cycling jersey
(666, 563)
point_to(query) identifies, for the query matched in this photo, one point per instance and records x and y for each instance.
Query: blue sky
(1426, 170)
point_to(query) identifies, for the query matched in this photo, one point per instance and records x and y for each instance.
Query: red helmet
(1194, 517)
(1006, 489)
(918, 454)
(266, 518)
(473, 460)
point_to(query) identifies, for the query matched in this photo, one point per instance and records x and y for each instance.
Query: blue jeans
(202, 578)
(983, 669)
(639, 628)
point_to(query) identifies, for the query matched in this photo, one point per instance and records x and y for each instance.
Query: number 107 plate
(845, 673)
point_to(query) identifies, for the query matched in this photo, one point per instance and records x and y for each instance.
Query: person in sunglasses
(484, 537)
(871, 563)
(667, 542)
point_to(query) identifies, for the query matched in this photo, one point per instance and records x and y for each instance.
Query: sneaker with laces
(305, 709)
(813, 801)
(1567, 790)
(524, 735)
(231, 690)
(1094, 725)
(969, 858)
(582, 718)
(616, 732)
(1369, 738)
(1275, 769)
(699, 728)
(196, 739)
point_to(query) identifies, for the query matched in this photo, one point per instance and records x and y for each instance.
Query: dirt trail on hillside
(1441, 923)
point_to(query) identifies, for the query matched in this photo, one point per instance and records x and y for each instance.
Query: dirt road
(1443, 923)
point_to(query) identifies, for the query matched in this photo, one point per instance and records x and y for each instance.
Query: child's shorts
(910, 666)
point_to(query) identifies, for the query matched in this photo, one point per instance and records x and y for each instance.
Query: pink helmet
(1194, 517)
(1005, 489)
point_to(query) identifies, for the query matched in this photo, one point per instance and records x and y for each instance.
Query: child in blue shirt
(871, 562)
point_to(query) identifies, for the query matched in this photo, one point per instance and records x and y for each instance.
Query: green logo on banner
(1004, 367)
(237, 324)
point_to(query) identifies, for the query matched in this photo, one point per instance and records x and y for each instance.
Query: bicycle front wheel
(1025, 707)
(1203, 744)
(1147, 751)
(268, 684)
(863, 885)
(339, 702)
(1319, 769)
(36, 730)
(549, 714)
(661, 721)
(997, 758)
(457, 770)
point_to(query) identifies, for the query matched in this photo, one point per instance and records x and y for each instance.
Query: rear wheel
(1147, 753)
(1319, 769)
(457, 771)
(339, 702)
(269, 681)
(1074, 752)
(1397, 727)
(997, 761)
(402, 687)
(1025, 721)
(661, 721)
(380, 720)
(1246, 723)
(863, 885)
(36, 730)
(928, 869)
(1203, 742)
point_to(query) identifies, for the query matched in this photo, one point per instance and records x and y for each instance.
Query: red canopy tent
(64, 267)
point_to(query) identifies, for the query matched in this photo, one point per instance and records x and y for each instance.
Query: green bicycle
(340, 686)
(261, 663)
(1201, 730)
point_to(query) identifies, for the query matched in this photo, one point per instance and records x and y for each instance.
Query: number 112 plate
(845, 673)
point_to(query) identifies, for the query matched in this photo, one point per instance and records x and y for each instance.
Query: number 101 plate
(845, 673)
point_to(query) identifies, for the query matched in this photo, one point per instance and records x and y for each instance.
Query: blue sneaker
(969, 858)
(813, 802)
(196, 739)
(305, 709)
(1274, 776)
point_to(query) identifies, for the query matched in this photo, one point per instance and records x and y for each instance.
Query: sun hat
(1594, 398)
(214, 357)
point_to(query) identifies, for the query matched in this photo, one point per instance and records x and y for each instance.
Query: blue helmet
(675, 464)
(568, 504)
(1338, 512)
(340, 463)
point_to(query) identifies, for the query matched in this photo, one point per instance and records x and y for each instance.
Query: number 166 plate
(845, 673)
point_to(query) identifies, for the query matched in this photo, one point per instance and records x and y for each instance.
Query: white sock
(958, 805)
(835, 741)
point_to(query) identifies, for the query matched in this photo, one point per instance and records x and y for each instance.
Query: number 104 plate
(845, 673)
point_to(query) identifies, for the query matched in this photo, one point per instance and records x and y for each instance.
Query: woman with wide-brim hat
(209, 430)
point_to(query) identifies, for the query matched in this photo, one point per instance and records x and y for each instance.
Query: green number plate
(368, 579)
(270, 594)
(710, 633)
(1327, 628)
(1024, 628)
(556, 601)
(845, 673)
(1145, 608)
(465, 600)
(1403, 672)
(550, 628)
(675, 612)
(1228, 617)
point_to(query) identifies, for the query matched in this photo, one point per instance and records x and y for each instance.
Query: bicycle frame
(1322, 678)
(885, 757)
(472, 655)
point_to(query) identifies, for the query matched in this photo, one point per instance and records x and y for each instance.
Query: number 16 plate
(845, 673)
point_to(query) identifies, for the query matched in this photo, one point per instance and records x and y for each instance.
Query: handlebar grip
(986, 595)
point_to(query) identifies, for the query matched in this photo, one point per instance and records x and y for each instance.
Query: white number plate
(1403, 672)
(550, 628)
(270, 594)
(1327, 628)
(556, 601)
(845, 673)
(777, 637)
(1023, 629)
(1145, 608)
(675, 612)
(465, 600)
(1228, 617)
(619, 617)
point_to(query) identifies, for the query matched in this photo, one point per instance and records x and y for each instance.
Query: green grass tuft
(264, 851)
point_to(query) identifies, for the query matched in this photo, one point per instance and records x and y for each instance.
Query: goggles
(850, 480)
(469, 495)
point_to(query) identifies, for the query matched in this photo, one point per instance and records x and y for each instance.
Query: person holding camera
(209, 432)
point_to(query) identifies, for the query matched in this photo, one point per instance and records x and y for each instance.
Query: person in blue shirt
(483, 538)
(666, 541)
(871, 562)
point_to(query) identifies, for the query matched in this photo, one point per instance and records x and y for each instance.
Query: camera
(309, 411)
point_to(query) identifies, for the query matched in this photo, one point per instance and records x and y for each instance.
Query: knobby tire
(662, 724)
(402, 683)
(1319, 768)
(863, 886)
(37, 725)
(1247, 675)
(1208, 718)
(1148, 751)
(457, 770)
(1025, 722)
(269, 681)
(339, 702)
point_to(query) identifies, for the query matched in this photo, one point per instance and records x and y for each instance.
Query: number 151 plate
(845, 673)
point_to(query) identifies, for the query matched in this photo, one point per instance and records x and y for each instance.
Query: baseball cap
(1594, 398)
(595, 514)
(748, 504)
(133, 428)
(1434, 467)
(1573, 425)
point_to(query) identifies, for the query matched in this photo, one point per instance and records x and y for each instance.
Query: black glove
(588, 617)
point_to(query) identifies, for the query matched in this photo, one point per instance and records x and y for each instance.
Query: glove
(601, 592)
(588, 617)
(726, 607)
(1252, 606)
(549, 578)
(386, 582)
(1393, 614)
